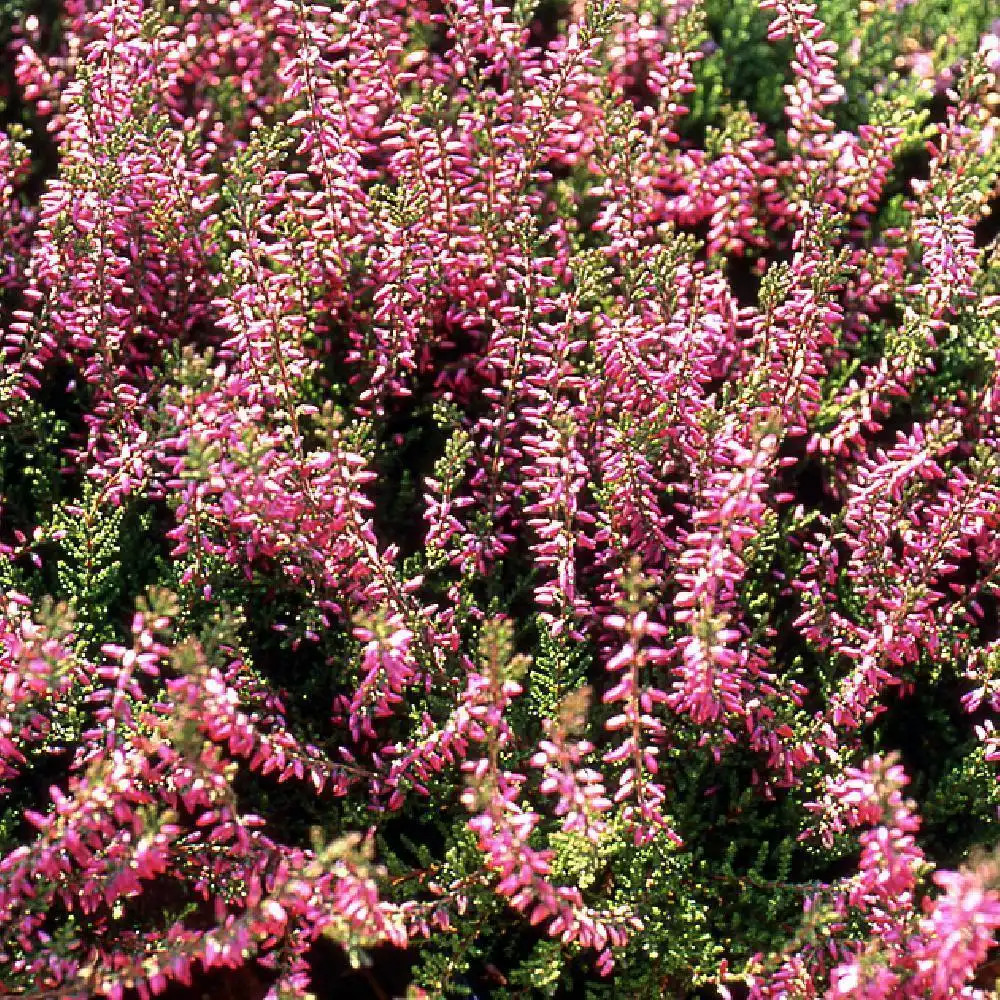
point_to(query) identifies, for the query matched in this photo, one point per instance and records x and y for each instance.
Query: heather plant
(517, 484)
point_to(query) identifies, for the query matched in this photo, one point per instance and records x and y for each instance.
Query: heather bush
(518, 485)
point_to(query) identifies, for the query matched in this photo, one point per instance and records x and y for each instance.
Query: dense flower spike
(37, 669)
(730, 511)
(500, 480)
(907, 953)
(634, 729)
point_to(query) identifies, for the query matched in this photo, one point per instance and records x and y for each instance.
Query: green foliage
(962, 808)
(104, 559)
(559, 668)
(30, 460)
(873, 40)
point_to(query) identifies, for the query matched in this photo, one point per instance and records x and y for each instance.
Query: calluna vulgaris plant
(519, 484)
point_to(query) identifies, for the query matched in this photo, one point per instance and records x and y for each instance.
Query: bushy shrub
(520, 484)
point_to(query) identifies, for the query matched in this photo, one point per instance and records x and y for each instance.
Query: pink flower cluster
(284, 241)
(916, 948)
